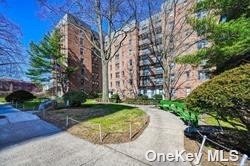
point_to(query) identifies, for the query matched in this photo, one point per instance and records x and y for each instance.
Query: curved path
(164, 134)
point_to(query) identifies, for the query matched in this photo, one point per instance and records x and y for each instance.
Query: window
(159, 81)
(110, 67)
(158, 30)
(110, 76)
(203, 75)
(203, 62)
(81, 60)
(130, 62)
(117, 57)
(173, 92)
(201, 14)
(187, 32)
(130, 51)
(81, 51)
(116, 47)
(130, 41)
(223, 19)
(145, 72)
(187, 75)
(145, 62)
(201, 44)
(117, 66)
(117, 75)
(81, 32)
(81, 41)
(130, 81)
(111, 84)
(159, 70)
(172, 64)
(188, 91)
(82, 81)
(123, 73)
(117, 83)
(171, 24)
(144, 28)
(172, 77)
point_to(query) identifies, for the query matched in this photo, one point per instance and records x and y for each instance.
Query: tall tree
(110, 19)
(47, 62)
(10, 52)
(226, 26)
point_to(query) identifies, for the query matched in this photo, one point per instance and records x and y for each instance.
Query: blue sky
(25, 14)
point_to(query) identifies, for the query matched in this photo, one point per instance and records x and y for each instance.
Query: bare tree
(110, 19)
(177, 37)
(10, 51)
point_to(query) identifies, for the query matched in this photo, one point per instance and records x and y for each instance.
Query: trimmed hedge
(142, 101)
(179, 108)
(20, 96)
(227, 95)
(115, 98)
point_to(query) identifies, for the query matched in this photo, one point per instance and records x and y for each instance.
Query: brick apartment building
(134, 69)
(148, 73)
(80, 55)
(8, 86)
(123, 68)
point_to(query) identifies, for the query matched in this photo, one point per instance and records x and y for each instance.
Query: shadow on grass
(101, 110)
(115, 128)
(229, 137)
(84, 113)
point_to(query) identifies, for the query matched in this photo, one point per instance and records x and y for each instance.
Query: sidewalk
(164, 134)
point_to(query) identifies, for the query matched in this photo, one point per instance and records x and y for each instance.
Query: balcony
(145, 41)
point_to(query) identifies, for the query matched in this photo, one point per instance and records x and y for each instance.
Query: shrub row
(226, 95)
(20, 96)
(180, 110)
(140, 101)
(74, 98)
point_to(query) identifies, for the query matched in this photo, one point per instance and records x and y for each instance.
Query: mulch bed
(227, 137)
(192, 146)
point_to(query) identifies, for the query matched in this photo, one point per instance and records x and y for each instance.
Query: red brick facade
(123, 68)
(80, 55)
(10, 85)
(134, 69)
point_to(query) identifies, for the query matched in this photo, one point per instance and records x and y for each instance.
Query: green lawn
(113, 119)
(117, 117)
(2, 100)
(210, 120)
(31, 104)
(90, 101)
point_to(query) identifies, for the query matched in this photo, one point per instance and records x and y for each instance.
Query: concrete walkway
(164, 134)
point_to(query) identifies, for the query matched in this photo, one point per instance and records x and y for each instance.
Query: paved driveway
(164, 134)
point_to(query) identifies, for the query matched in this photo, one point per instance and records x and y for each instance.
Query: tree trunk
(105, 88)
(166, 80)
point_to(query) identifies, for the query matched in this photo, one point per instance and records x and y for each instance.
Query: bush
(75, 98)
(179, 109)
(227, 95)
(20, 96)
(142, 97)
(157, 97)
(140, 101)
(115, 98)
(94, 95)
